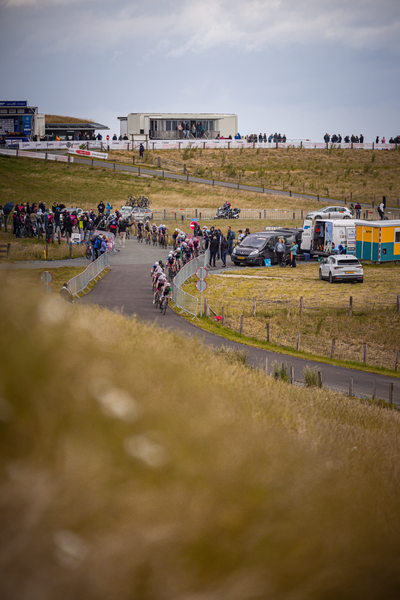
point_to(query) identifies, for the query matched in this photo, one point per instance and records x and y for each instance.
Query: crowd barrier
(195, 143)
(81, 282)
(183, 300)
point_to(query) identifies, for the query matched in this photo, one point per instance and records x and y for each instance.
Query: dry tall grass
(136, 464)
(375, 320)
(364, 173)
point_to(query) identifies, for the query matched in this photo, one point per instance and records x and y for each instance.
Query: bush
(280, 371)
(311, 378)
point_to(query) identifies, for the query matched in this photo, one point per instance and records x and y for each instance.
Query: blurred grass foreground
(139, 464)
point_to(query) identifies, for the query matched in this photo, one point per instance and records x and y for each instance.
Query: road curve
(128, 288)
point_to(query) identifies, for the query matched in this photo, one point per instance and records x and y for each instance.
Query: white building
(167, 126)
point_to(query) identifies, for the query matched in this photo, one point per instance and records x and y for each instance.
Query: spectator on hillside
(326, 138)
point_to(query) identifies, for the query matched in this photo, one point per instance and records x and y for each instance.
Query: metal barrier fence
(198, 143)
(208, 214)
(185, 301)
(80, 282)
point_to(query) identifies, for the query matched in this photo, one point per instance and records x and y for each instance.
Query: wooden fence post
(332, 347)
(301, 305)
(351, 387)
(266, 365)
(365, 354)
(206, 308)
(298, 341)
(398, 303)
(223, 315)
(391, 393)
(267, 332)
(319, 374)
(254, 307)
(351, 306)
(374, 389)
(241, 325)
(159, 162)
(292, 375)
(396, 364)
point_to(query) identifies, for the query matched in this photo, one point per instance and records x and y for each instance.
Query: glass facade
(168, 128)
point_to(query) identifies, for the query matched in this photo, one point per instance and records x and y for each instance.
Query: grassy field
(133, 474)
(336, 173)
(28, 180)
(375, 319)
(30, 278)
(34, 249)
(366, 174)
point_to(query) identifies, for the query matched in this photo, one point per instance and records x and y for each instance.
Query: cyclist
(161, 280)
(178, 256)
(196, 246)
(171, 265)
(154, 229)
(140, 228)
(166, 295)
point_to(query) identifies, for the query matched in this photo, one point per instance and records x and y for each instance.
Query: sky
(299, 67)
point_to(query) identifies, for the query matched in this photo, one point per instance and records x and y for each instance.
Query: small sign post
(201, 285)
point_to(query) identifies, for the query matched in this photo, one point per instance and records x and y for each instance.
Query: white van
(321, 236)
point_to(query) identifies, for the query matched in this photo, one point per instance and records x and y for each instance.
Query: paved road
(128, 288)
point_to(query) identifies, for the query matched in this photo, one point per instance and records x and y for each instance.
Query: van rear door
(306, 235)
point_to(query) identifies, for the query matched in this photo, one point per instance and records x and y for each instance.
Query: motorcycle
(224, 213)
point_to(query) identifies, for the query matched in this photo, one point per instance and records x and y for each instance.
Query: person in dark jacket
(214, 247)
(122, 228)
(224, 250)
(68, 225)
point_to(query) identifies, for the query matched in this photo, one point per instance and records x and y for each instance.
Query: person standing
(293, 253)
(101, 207)
(214, 246)
(358, 210)
(279, 250)
(122, 227)
(224, 250)
(381, 210)
(141, 151)
(230, 236)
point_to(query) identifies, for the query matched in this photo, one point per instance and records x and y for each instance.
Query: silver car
(341, 268)
(331, 212)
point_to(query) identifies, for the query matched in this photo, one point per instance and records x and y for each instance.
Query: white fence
(81, 282)
(195, 143)
(42, 155)
(185, 301)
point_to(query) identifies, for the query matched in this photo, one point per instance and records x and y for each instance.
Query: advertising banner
(14, 104)
(27, 124)
(89, 153)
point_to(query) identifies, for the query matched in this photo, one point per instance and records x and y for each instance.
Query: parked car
(76, 211)
(256, 247)
(341, 268)
(126, 212)
(141, 213)
(330, 212)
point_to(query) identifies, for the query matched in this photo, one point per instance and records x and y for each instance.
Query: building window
(168, 125)
(397, 236)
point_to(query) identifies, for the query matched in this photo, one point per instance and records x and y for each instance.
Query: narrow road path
(128, 288)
